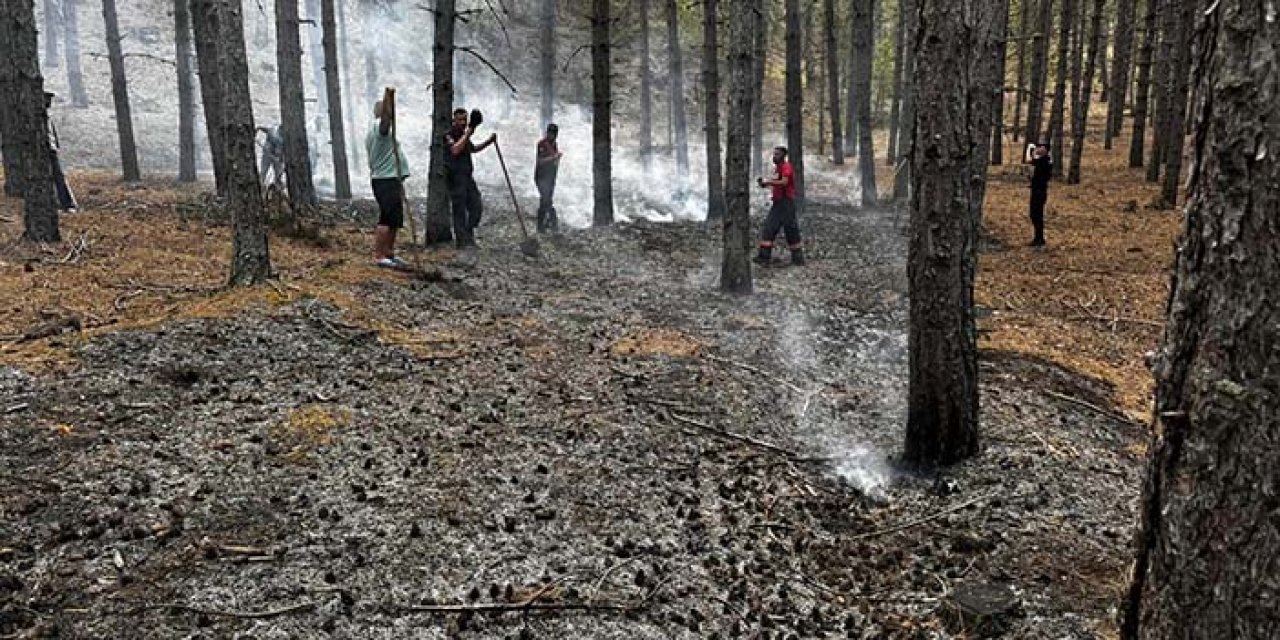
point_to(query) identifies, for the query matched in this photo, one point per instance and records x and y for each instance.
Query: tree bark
(601, 116)
(1001, 27)
(1123, 45)
(1080, 113)
(71, 47)
(1142, 91)
(986, 80)
(1161, 86)
(371, 90)
(851, 90)
(906, 134)
(646, 90)
(333, 85)
(52, 16)
(120, 94)
(315, 53)
(761, 16)
(942, 413)
(219, 31)
(1039, 73)
(863, 58)
(184, 56)
(547, 68)
(206, 38)
(795, 100)
(711, 105)
(348, 101)
(735, 266)
(678, 121)
(293, 114)
(1058, 110)
(1021, 84)
(833, 81)
(439, 226)
(1179, 89)
(1207, 544)
(25, 121)
(895, 104)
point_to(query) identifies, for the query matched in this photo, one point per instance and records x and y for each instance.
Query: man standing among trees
(464, 196)
(1041, 171)
(272, 156)
(66, 199)
(544, 175)
(387, 170)
(782, 215)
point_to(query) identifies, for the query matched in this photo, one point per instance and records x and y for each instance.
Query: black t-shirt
(459, 166)
(547, 148)
(1041, 171)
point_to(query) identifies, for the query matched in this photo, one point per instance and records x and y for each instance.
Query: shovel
(529, 246)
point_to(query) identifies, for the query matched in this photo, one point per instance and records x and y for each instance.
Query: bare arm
(460, 144)
(485, 145)
(388, 114)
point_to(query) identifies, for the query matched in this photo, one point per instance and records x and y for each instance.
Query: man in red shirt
(782, 215)
(544, 176)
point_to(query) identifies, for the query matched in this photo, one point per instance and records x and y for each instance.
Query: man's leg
(461, 228)
(1038, 199)
(544, 203)
(791, 227)
(66, 201)
(772, 224)
(475, 205)
(553, 221)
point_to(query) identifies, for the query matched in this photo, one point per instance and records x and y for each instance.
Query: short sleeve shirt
(787, 191)
(460, 167)
(382, 152)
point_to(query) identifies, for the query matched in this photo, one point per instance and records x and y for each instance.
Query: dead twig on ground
(530, 604)
(78, 248)
(768, 446)
(919, 521)
(249, 615)
(755, 370)
(1089, 405)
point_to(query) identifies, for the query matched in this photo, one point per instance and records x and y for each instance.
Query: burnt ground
(596, 439)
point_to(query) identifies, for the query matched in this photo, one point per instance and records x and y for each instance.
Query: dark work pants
(464, 198)
(65, 199)
(547, 220)
(1038, 198)
(782, 217)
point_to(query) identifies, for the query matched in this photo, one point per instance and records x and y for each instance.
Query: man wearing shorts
(387, 168)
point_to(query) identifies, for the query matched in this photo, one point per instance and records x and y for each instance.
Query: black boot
(763, 256)
(797, 257)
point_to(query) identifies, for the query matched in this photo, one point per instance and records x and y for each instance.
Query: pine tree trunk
(1001, 27)
(1162, 86)
(315, 53)
(1177, 105)
(1021, 84)
(1103, 79)
(735, 266)
(71, 47)
(761, 16)
(646, 90)
(795, 100)
(676, 72)
(184, 56)
(1039, 74)
(986, 79)
(12, 172)
(942, 413)
(1207, 543)
(851, 89)
(206, 39)
(1142, 91)
(833, 81)
(1119, 70)
(547, 68)
(219, 31)
(906, 132)
(120, 94)
(895, 103)
(370, 40)
(711, 105)
(337, 130)
(1080, 113)
(25, 121)
(1057, 112)
(812, 64)
(601, 116)
(863, 58)
(293, 114)
(439, 226)
(52, 16)
(348, 100)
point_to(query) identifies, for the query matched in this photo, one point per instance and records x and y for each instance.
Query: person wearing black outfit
(66, 199)
(544, 175)
(464, 196)
(1041, 170)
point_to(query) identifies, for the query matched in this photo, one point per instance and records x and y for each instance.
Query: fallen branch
(1120, 319)
(1088, 405)
(250, 615)
(77, 249)
(755, 370)
(768, 446)
(920, 521)
(531, 605)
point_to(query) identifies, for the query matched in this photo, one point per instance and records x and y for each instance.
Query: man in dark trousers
(544, 175)
(387, 170)
(1041, 170)
(464, 196)
(782, 215)
(66, 199)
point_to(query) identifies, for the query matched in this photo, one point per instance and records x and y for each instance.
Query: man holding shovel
(464, 196)
(387, 168)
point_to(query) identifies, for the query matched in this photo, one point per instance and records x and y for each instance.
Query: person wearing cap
(464, 195)
(782, 215)
(544, 175)
(1041, 171)
(66, 199)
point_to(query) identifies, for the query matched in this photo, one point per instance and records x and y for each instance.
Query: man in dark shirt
(544, 175)
(464, 196)
(1041, 170)
(66, 199)
(782, 215)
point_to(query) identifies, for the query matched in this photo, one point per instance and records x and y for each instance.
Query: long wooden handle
(516, 203)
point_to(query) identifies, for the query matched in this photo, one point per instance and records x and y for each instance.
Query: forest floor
(591, 444)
